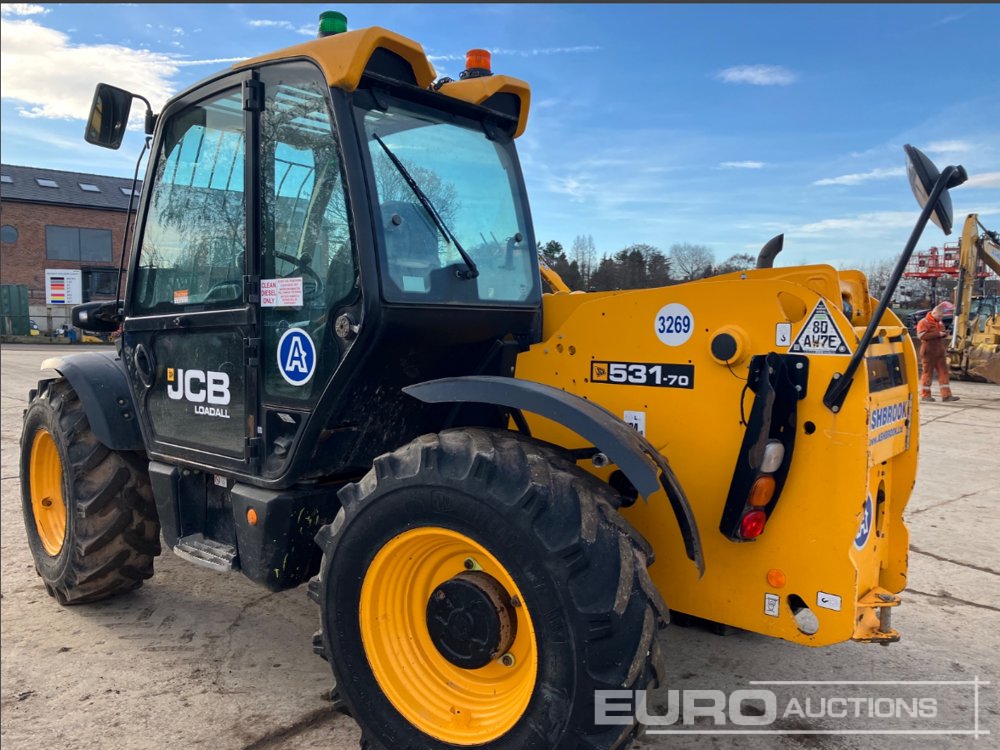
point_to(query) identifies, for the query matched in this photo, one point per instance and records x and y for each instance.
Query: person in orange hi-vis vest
(934, 353)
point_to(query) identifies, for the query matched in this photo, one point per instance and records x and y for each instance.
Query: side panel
(624, 352)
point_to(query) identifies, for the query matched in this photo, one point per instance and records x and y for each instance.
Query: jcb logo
(198, 386)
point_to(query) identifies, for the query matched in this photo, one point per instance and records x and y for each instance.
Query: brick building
(50, 219)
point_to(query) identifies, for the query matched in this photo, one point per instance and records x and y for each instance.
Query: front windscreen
(444, 187)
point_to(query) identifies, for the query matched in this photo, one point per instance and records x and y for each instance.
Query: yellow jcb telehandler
(337, 367)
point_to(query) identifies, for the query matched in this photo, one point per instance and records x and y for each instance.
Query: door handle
(144, 366)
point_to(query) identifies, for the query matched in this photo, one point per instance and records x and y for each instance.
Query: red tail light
(752, 524)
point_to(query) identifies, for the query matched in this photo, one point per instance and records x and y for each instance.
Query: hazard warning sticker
(819, 335)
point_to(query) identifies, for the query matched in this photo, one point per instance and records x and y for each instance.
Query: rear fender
(642, 464)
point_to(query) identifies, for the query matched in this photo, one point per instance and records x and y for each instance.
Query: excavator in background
(974, 353)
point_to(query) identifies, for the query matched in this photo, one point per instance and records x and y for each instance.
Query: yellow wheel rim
(47, 505)
(452, 704)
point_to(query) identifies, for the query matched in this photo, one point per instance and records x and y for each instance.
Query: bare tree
(737, 262)
(584, 254)
(691, 261)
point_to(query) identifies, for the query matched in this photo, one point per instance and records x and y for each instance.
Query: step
(207, 552)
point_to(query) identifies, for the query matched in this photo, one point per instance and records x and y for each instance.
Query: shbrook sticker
(674, 324)
(296, 356)
(819, 335)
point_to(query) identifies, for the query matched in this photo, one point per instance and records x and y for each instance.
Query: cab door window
(194, 240)
(307, 265)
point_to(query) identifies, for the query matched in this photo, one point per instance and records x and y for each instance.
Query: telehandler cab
(337, 366)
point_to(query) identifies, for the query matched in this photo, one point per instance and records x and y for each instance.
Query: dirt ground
(199, 659)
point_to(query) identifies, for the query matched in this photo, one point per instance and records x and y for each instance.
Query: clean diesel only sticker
(674, 324)
(642, 373)
(281, 292)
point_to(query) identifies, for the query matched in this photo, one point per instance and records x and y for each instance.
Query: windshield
(471, 183)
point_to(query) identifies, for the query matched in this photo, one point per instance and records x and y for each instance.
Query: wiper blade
(446, 232)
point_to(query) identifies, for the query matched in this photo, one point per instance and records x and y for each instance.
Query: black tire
(548, 523)
(112, 532)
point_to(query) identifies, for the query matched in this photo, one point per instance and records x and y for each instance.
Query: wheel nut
(471, 564)
(46, 502)
(508, 660)
(515, 601)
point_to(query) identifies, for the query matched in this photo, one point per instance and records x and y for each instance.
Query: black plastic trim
(100, 380)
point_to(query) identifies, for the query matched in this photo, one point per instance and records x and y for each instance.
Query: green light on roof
(331, 22)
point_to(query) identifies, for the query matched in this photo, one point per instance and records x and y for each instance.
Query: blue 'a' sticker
(865, 528)
(296, 356)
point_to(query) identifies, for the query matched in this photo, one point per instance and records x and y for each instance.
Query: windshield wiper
(473, 272)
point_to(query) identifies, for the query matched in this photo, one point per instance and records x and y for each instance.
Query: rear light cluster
(761, 491)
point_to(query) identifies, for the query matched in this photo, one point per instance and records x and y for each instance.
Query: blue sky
(719, 125)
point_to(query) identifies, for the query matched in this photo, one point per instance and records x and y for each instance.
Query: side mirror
(922, 175)
(99, 317)
(108, 116)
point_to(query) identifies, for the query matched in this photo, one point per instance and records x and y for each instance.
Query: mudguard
(100, 380)
(645, 467)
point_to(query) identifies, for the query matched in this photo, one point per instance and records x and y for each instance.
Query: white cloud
(210, 61)
(22, 9)
(862, 222)
(859, 177)
(758, 75)
(534, 52)
(948, 147)
(52, 78)
(741, 165)
(545, 50)
(984, 180)
(577, 187)
(263, 23)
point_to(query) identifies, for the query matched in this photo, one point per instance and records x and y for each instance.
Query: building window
(8, 234)
(76, 244)
(99, 282)
(6, 179)
(46, 183)
(129, 191)
(89, 187)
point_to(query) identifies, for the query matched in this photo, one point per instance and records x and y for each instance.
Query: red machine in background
(937, 262)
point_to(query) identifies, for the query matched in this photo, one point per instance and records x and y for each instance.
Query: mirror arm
(840, 383)
(150, 117)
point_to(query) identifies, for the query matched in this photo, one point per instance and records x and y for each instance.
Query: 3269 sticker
(673, 324)
(643, 373)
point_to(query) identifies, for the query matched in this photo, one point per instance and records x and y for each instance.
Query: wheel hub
(471, 620)
(45, 481)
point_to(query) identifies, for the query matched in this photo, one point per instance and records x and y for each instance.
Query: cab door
(308, 272)
(190, 334)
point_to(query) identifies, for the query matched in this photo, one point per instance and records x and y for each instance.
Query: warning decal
(819, 335)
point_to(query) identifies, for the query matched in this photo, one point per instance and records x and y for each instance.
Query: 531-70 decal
(641, 373)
